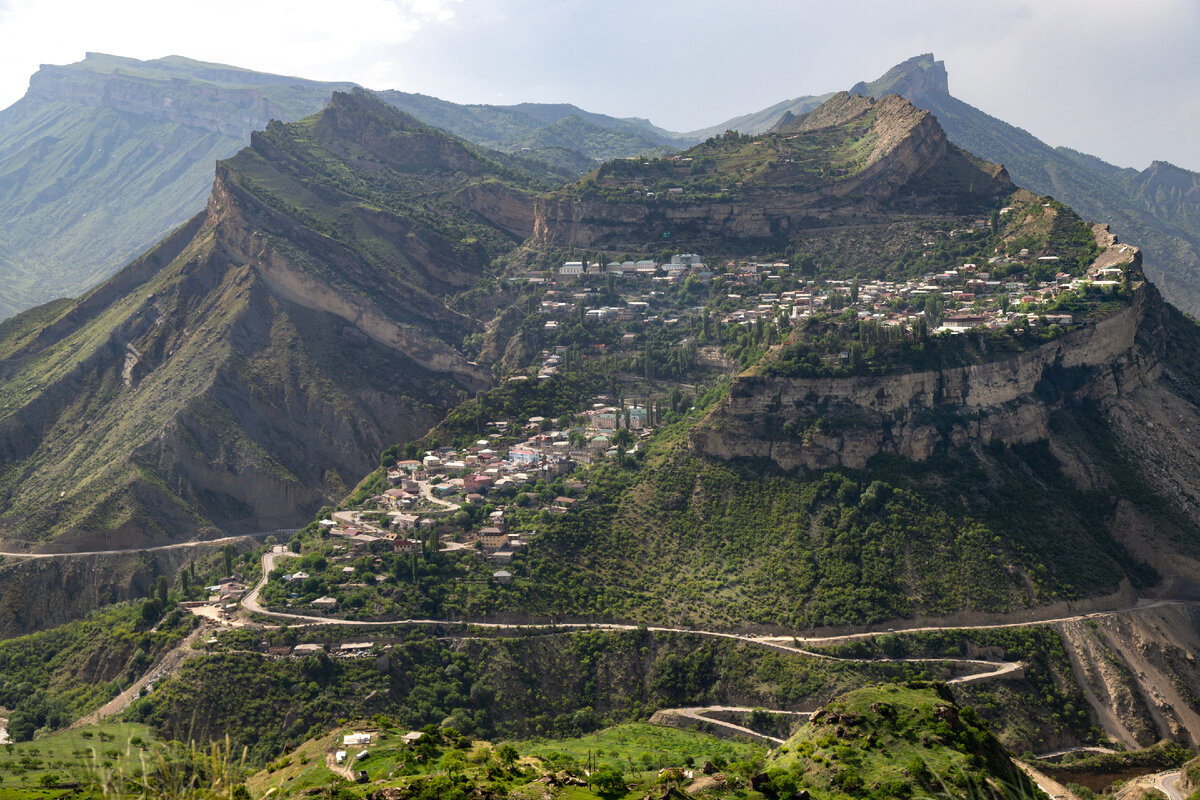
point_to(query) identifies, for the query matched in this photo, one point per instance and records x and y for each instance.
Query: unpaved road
(988, 669)
(176, 546)
(167, 663)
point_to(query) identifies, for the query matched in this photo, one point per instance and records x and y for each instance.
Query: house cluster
(970, 295)
(424, 492)
(679, 266)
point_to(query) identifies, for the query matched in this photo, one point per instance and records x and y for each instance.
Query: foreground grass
(67, 762)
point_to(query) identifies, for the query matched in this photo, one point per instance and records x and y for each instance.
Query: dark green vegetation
(53, 677)
(1155, 208)
(541, 684)
(103, 158)
(694, 542)
(894, 741)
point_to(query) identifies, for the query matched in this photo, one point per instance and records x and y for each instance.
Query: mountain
(762, 121)
(102, 158)
(251, 366)
(563, 138)
(854, 159)
(1158, 207)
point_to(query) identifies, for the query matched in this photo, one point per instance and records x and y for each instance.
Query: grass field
(58, 765)
(638, 747)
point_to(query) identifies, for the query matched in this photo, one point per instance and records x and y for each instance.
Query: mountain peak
(918, 76)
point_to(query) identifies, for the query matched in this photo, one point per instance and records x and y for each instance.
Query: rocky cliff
(912, 414)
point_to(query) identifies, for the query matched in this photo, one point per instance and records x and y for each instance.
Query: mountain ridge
(252, 363)
(89, 136)
(1164, 221)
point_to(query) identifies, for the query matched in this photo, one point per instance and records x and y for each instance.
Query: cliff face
(912, 414)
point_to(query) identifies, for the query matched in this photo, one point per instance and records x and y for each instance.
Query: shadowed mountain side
(246, 371)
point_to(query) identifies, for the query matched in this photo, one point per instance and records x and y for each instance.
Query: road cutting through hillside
(151, 549)
(989, 669)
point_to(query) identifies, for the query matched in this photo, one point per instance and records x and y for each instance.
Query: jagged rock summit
(917, 77)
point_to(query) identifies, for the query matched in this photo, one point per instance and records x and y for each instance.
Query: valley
(832, 438)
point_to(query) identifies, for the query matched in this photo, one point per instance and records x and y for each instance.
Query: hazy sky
(1116, 78)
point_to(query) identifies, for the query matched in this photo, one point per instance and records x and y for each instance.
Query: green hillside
(102, 158)
(894, 741)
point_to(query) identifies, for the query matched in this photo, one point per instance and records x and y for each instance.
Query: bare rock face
(911, 414)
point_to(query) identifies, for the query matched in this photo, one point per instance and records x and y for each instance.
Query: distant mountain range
(102, 158)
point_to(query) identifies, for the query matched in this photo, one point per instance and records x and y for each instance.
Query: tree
(608, 781)
(227, 551)
(854, 290)
(507, 754)
(185, 581)
(161, 590)
(935, 307)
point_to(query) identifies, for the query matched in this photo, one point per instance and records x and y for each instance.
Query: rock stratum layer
(1009, 401)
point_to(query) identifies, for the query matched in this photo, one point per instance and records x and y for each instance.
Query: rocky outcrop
(912, 414)
(908, 148)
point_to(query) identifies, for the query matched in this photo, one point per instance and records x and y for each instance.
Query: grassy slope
(55, 765)
(891, 741)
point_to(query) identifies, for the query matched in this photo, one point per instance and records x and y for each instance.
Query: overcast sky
(1116, 78)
